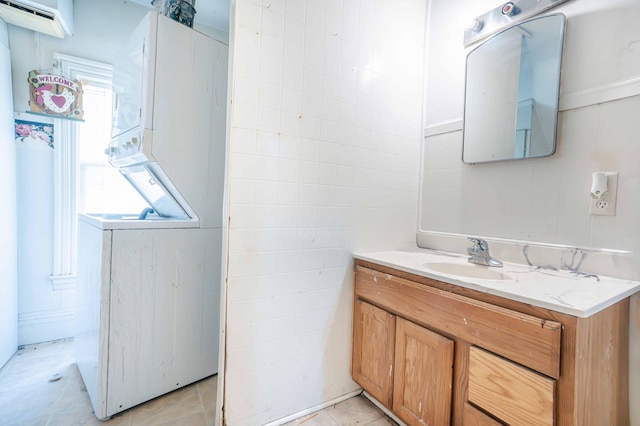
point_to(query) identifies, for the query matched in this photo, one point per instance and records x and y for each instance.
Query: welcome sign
(55, 95)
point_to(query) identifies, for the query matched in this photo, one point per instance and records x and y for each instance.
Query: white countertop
(561, 291)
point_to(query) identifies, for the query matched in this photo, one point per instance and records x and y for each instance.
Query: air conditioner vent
(25, 14)
(35, 12)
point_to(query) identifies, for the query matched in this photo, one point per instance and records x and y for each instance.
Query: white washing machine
(148, 292)
(147, 309)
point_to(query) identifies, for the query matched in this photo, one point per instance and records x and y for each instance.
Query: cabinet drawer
(510, 392)
(475, 417)
(528, 340)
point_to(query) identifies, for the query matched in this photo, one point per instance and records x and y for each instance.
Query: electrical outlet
(606, 206)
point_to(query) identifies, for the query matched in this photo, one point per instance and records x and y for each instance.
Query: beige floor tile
(74, 416)
(385, 421)
(120, 419)
(180, 403)
(208, 389)
(196, 419)
(74, 392)
(29, 401)
(27, 369)
(35, 421)
(354, 411)
(319, 418)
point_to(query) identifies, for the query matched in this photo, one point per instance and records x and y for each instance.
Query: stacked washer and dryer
(148, 294)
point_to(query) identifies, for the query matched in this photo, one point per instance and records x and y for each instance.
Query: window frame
(66, 171)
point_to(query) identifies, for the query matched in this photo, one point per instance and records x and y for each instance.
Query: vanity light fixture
(505, 15)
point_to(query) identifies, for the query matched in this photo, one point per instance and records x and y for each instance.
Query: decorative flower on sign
(23, 129)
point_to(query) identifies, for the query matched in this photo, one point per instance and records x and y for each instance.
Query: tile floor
(356, 411)
(28, 398)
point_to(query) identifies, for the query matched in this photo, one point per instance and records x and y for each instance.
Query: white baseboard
(44, 326)
(383, 408)
(314, 409)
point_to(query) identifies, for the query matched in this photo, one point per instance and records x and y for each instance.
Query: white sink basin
(466, 270)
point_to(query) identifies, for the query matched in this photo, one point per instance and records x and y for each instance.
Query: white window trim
(65, 173)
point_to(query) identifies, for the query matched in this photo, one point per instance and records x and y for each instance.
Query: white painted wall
(546, 200)
(4, 36)
(9, 247)
(324, 147)
(100, 29)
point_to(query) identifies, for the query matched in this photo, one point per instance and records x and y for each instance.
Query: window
(84, 179)
(101, 187)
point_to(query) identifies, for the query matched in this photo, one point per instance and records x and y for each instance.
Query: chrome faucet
(479, 253)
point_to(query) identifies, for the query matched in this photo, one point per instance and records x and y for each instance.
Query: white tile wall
(542, 200)
(325, 142)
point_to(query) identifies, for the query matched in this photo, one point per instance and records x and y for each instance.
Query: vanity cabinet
(436, 353)
(402, 365)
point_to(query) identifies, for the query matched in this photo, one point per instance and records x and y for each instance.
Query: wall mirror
(511, 92)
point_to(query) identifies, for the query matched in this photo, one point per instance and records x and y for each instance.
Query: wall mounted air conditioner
(52, 17)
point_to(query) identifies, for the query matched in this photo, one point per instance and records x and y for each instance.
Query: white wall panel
(100, 29)
(8, 219)
(325, 140)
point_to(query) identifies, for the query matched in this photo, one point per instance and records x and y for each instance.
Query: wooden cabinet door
(423, 376)
(373, 349)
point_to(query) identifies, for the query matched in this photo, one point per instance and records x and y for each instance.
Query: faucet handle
(478, 244)
(479, 253)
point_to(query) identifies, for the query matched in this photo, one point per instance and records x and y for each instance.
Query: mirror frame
(556, 88)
